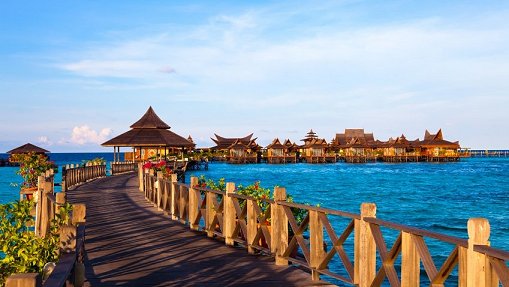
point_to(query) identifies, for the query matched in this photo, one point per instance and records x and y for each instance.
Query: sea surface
(440, 197)
(10, 181)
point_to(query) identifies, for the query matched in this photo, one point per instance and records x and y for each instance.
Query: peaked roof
(149, 131)
(225, 143)
(276, 144)
(349, 134)
(150, 120)
(26, 148)
(437, 140)
(238, 144)
(310, 136)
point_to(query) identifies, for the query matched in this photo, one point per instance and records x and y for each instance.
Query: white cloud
(44, 140)
(85, 135)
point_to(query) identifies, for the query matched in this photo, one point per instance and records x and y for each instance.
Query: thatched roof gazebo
(147, 134)
(26, 148)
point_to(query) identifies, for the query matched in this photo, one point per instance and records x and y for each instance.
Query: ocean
(439, 197)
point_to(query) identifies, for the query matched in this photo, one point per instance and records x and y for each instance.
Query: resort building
(26, 148)
(435, 148)
(222, 149)
(400, 150)
(150, 138)
(355, 145)
(316, 150)
(281, 153)
(240, 152)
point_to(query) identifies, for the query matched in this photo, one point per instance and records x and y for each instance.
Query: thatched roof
(26, 148)
(149, 131)
(150, 120)
(225, 143)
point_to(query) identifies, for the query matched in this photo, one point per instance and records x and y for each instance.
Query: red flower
(148, 165)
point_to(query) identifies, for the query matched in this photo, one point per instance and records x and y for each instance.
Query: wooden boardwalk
(130, 243)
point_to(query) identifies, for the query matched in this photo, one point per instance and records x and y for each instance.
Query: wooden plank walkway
(130, 243)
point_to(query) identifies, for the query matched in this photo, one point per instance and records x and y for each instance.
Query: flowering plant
(31, 165)
(159, 166)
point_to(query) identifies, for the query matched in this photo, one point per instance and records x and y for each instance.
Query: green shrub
(21, 251)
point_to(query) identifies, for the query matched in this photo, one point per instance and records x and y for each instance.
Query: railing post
(140, 176)
(159, 187)
(279, 236)
(229, 214)
(24, 280)
(316, 243)
(194, 204)
(478, 273)
(210, 212)
(79, 212)
(365, 248)
(252, 225)
(410, 262)
(182, 204)
(173, 197)
(38, 204)
(68, 238)
(64, 181)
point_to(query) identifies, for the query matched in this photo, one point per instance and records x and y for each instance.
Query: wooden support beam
(194, 204)
(279, 236)
(316, 243)
(229, 214)
(365, 248)
(252, 225)
(410, 262)
(478, 274)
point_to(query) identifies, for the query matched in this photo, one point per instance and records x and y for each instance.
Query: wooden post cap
(230, 187)
(478, 231)
(279, 193)
(368, 210)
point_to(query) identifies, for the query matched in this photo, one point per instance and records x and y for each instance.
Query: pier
(129, 242)
(144, 229)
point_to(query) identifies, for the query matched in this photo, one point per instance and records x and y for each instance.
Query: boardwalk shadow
(130, 243)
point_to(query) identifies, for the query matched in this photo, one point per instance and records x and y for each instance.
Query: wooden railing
(73, 175)
(352, 248)
(123, 167)
(69, 270)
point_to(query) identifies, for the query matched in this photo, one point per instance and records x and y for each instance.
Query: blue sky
(76, 73)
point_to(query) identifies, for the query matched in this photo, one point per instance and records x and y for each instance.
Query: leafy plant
(21, 250)
(31, 165)
(159, 166)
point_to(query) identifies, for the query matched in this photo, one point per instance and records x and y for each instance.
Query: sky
(74, 74)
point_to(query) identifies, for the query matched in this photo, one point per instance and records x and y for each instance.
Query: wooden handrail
(65, 264)
(320, 209)
(73, 175)
(493, 252)
(275, 229)
(420, 232)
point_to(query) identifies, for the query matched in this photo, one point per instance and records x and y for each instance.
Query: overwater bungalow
(26, 148)
(356, 146)
(149, 138)
(243, 153)
(281, 153)
(400, 150)
(435, 148)
(316, 150)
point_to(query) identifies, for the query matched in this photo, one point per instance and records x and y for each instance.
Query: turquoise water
(8, 177)
(440, 197)
(435, 196)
